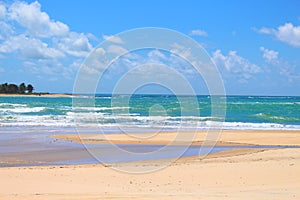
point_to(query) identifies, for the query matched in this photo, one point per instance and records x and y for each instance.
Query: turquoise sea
(150, 111)
(27, 124)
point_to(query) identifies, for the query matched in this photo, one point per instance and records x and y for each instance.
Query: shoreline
(37, 95)
(70, 148)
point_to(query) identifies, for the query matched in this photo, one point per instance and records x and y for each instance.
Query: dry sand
(238, 174)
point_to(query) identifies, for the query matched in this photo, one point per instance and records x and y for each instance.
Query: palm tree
(12, 89)
(30, 88)
(3, 88)
(22, 88)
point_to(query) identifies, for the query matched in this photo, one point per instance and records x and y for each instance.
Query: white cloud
(95, 63)
(183, 55)
(287, 33)
(156, 55)
(182, 51)
(2, 70)
(150, 70)
(116, 49)
(5, 30)
(29, 48)
(114, 39)
(40, 37)
(2, 11)
(152, 58)
(44, 45)
(235, 65)
(198, 33)
(265, 30)
(74, 44)
(49, 67)
(76, 64)
(36, 22)
(288, 71)
(275, 64)
(38, 26)
(100, 51)
(269, 56)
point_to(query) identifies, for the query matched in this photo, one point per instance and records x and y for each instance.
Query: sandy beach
(235, 174)
(149, 100)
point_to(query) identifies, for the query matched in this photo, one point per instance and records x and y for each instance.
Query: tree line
(6, 88)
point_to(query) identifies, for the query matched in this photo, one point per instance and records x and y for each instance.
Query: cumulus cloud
(2, 11)
(151, 59)
(275, 64)
(74, 44)
(49, 67)
(198, 33)
(235, 64)
(287, 33)
(114, 39)
(116, 49)
(42, 44)
(29, 48)
(269, 56)
(95, 63)
(50, 38)
(156, 55)
(181, 51)
(36, 22)
(5, 30)
(289, 72)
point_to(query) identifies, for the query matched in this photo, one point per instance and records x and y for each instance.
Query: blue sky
(255, 44)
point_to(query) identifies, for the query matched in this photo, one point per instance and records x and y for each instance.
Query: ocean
(27, 124)
(151, 112)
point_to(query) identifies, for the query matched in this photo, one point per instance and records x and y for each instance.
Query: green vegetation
(14, 89)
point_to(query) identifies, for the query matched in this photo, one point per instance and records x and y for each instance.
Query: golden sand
(236, 174)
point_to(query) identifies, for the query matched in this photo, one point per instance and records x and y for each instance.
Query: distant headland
(11, 88)
(24, 90)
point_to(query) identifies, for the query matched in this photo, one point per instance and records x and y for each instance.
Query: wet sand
(225, 137)
(234, 174)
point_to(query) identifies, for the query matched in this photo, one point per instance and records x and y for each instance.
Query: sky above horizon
(255, 44)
